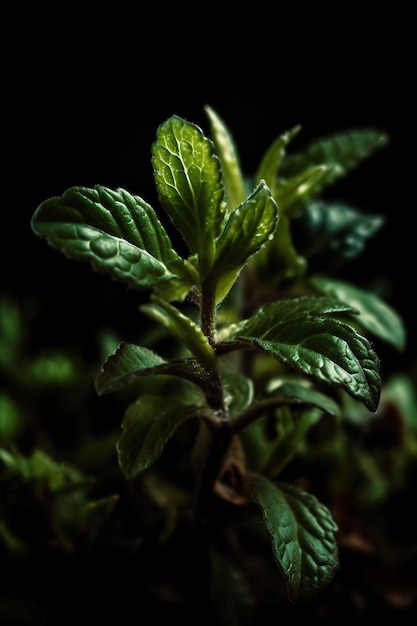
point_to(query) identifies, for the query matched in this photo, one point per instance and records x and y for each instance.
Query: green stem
(208, 310)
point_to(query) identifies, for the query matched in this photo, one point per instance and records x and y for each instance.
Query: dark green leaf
(302, 533)
(304, 335)
(188, 178)
(330, 234)
(117, 233)
(122, 367)
(131, 361)
(376, 315)
(148, 425)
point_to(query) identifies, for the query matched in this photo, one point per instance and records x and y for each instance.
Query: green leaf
(116, 232)
(238, 392)
(295, 407)
(376, 315)
(279, 260)
(226, 150)
(122, 367)
(302, 533)
(188, 178)
(148, 425)
(286, 390)
(271, 162)
(302, 334)
(292, 432)
(247, 230)
(292, 194)
(131, 361)
(344, 151)
(184, 328)
(329, 234)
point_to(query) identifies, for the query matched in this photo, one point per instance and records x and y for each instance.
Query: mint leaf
(376, 315)
(304, 334)
(184, 328)
(188, 178)
(229, 159)
(272, 159)
(116, 232)
(302, 533)
(247, 230)
(131, 361)
(148, 425)
(341, 152)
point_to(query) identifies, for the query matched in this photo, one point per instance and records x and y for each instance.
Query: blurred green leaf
(375, 315)
(329, 234)
(342, 152)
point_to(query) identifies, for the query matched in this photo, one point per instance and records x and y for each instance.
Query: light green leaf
(376, 315)
(116, 232)
(272, 159)
(188, 178)
(226, 150)
(305, 335)
(184, 328)
(302, 533)
(247, 230)
(148, 425)
(292, 194)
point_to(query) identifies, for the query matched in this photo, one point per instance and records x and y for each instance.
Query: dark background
(83, 92)
(82, 100)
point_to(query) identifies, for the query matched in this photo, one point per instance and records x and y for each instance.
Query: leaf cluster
(269, 344)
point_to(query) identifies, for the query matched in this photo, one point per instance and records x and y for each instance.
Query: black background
(84, 90)
(83, 96)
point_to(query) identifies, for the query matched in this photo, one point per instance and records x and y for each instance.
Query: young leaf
(226, 150)
(188, 178)
(272, 159)
(116, 232)
(148, 425)
(302, 334)
(376, 315)
(183, 327)
(292, 194)
(247, 230)
(302, 533)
